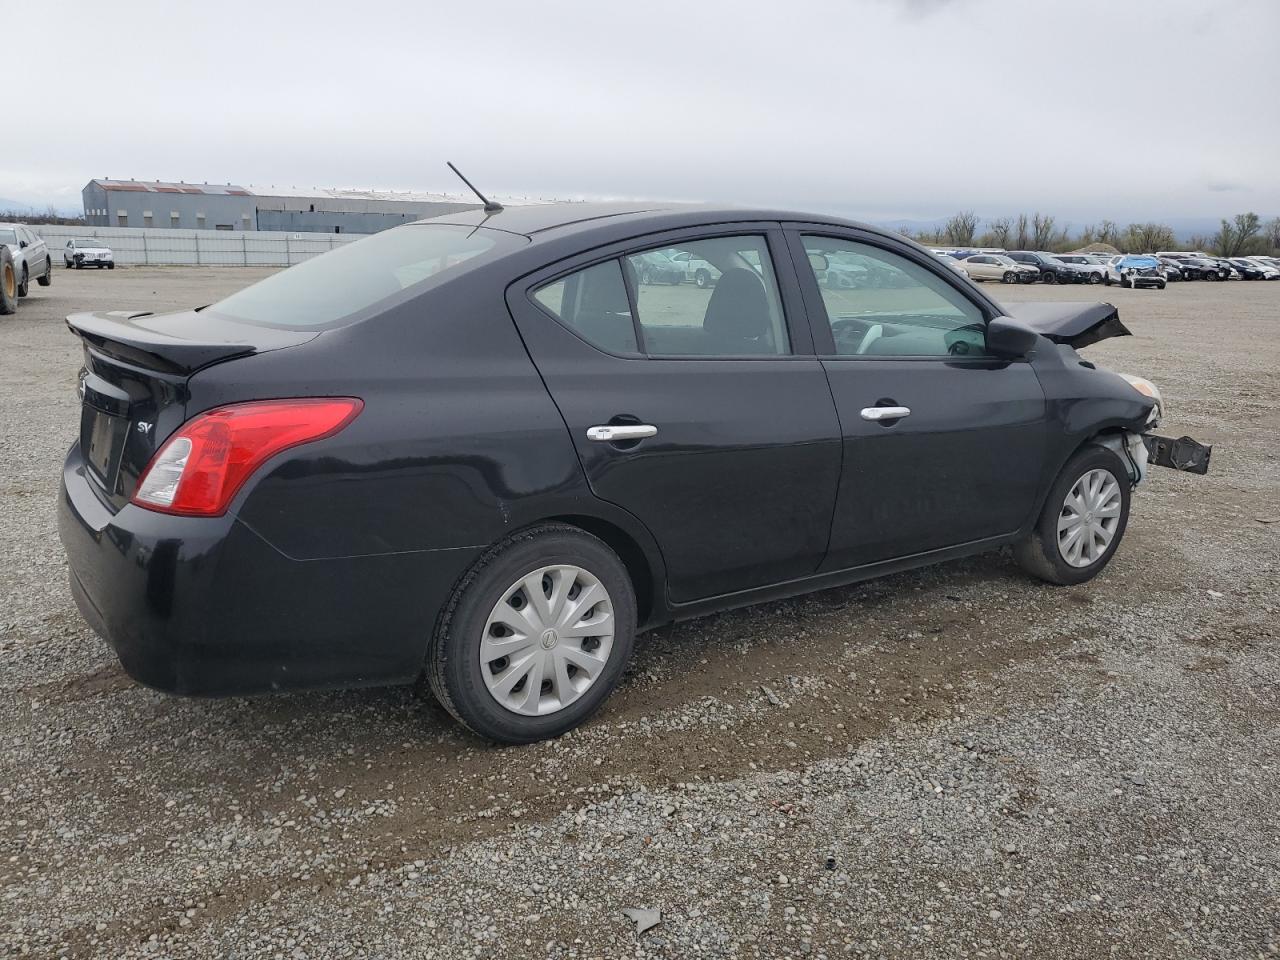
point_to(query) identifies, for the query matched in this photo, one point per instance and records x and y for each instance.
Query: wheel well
(628, 551)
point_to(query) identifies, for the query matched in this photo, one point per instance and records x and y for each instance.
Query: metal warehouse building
(208, 206)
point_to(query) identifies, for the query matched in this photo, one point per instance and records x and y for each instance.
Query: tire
(702, 279)
(111, 266)
(646, 276)
(47, 277)
(1049, 277)
(1040, 554)
(24, 284)
(1161, 285)
(79, 264)
(1009, 277)
(1126, 282)
(454, 655)
(1095, 277)
(8, 282)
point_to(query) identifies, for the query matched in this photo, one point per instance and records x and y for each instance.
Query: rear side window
(326, 289)
(593, 302)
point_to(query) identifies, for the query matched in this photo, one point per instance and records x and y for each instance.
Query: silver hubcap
(547, 640)
(1090, 515)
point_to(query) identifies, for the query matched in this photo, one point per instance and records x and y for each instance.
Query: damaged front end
(1076, 325)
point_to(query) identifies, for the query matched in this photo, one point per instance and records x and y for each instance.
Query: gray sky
(879, 108)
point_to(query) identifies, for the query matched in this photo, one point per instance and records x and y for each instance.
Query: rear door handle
(614, 432)
(885, 413)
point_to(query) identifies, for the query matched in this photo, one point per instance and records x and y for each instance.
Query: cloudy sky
(879, 108)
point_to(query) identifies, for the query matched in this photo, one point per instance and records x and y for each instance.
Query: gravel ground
(953, 762)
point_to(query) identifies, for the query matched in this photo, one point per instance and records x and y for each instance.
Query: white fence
(219, 248)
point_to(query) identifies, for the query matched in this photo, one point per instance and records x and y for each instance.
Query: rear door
(702, 411)
(943, 444)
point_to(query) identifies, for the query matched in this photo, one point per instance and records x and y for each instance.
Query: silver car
(31, 260)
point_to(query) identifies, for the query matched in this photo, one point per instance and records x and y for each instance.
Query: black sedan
(477, 447)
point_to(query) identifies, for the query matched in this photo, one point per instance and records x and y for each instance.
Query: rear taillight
(201, 467)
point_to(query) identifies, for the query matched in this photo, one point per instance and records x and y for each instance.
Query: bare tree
(1147, 238)
(1087, 236)
(961, 228)
(1235, 237)
(1271, 233)
(1023, 239)
(1109, 233)
(998, 233)
(1199, 241)
(1042, 225)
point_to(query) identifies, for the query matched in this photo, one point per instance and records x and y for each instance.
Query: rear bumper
(205, 606)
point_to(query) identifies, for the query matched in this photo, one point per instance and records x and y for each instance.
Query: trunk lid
(1076, 324)
(133, 385)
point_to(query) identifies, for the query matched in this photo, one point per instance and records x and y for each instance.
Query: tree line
(1242, 235)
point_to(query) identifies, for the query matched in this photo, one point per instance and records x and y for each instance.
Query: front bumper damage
(1183, 453)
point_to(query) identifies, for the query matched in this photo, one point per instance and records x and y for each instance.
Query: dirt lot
(954, 762)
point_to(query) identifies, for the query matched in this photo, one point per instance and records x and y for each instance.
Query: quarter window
(709, 298)
(881, 304)
(593, 302)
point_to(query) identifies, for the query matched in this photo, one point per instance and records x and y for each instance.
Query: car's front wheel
(1083, 519)
(1009, 277)
(535, 636)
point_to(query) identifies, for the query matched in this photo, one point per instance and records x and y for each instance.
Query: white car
(87, 253)
(995, 266)
(702, 273)
(952, 262)
(1096, 268)
(31, 260)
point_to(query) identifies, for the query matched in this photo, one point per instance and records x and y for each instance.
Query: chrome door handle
(621, 431)
(885, 413)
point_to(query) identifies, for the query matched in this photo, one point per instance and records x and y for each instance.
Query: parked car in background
(952, 262)
(1130, 270)
(31, 260)
(1204, 268)
(1096, 272)
(697, 270)
(88, 253)
(1252, 269)
(1172, 269)
(1052, 270)
(247, 510)
(996, 266)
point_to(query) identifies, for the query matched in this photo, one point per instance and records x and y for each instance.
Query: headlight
(1147, 389)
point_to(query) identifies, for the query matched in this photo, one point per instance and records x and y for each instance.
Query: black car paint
(1058, 270)
(334, 559)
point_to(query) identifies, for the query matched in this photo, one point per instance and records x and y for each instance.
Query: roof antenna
(490, 206)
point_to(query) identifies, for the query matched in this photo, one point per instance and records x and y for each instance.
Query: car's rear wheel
(47, 277)
(1095, 277)
(702, 278)
(8, 282)
(1083, 519)
(24, 284)
(535, 636)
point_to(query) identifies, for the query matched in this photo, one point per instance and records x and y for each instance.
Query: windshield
(87, 243)
(325, 289)
(8, 236)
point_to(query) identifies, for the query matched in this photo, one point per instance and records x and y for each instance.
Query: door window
(719, 298)
(881, 304)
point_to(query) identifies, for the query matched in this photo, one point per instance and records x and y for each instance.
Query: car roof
(563, 219)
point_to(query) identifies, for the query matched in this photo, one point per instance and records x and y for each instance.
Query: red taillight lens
(201, 467)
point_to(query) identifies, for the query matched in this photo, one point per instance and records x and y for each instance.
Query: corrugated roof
(336, 193)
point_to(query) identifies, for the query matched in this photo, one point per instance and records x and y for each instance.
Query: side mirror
(818, 262)
(1010, 339)
(22, 244)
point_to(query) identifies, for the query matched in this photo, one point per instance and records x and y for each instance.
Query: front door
(699, 409)
(943, 444)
